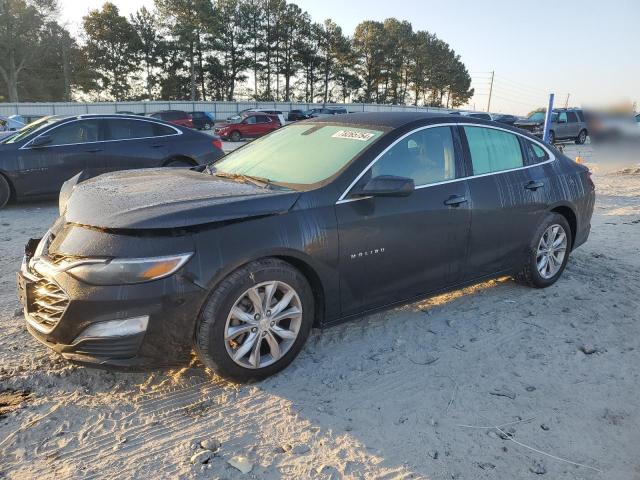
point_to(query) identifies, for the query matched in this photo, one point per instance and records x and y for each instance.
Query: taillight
(217, 143)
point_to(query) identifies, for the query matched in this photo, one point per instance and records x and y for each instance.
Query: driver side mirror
(41, 141)
(385, 186)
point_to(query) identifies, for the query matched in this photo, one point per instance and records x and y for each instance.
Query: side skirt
(407, 301)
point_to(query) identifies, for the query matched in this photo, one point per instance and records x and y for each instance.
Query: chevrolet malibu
(317, 223)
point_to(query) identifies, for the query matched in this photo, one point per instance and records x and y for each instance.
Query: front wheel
(235, 136)
(256, 321)
(548, 253)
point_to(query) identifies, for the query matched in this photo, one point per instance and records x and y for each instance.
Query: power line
(522, 85)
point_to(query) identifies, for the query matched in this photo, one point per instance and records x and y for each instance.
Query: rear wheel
(179, 164)
(5, 191)
(256, 321)
(548, 252)
(207, 126)
(582, 137)
(235, 136)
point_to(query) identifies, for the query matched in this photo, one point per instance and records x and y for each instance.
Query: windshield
(31, 128)
(537, 116)
(300, 155)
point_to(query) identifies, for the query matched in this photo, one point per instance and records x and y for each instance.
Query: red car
(175, 116)
(252, 125)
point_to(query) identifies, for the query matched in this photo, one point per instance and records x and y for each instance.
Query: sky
(587, 49)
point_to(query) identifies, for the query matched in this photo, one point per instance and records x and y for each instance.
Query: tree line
(269, 50)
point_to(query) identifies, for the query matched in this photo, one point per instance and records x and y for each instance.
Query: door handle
(455, 200)
(157, 146)
(533, 185)
(94, 150)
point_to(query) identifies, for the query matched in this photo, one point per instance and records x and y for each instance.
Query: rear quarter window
(493, 150)
(536, 153)
(162, 130)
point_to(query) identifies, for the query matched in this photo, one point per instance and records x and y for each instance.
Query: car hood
(166, 198)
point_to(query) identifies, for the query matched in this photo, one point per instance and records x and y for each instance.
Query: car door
(73, 147)
(506, 199)
(135, 144)
(562, 129)
(397, 248)
(573, 127)
(249, 126)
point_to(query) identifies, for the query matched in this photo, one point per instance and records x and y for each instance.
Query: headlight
(129, 270)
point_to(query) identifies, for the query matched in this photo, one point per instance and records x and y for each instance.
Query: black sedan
(314, 224)
(38, 159)
(506, 119)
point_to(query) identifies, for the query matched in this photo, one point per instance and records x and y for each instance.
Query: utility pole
(490, 90)
(566, 102)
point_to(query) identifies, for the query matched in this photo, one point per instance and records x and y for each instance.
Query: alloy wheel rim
(552, 249)
(263, 324)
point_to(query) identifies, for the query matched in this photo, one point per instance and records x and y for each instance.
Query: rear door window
(129, 129)
(83, 131)
(426, 156)
(493, 150)
(572, 117)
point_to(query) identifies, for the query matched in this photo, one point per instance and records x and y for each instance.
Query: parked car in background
(177, 117)
(238, 116)
(324, 112)
(566, 124)
(320, 222)
(26, 118)
(201, 120)
(506, 119)
(480, 115)
(244, 113)
(296, 115)
(250, 126)
(8, 124)
(38, 159)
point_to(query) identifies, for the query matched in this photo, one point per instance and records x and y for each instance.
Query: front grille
(46, 302)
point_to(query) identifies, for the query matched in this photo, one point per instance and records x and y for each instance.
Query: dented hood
(166, 198)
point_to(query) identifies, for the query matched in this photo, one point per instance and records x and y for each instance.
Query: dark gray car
(566, 124)
(38, 159)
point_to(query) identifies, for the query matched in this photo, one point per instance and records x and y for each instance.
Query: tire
(207, 126)
(531, 273)
(582, 137)
(5, 191)
(235, 136)
(233, 294)
(179, 164)
(552, 137)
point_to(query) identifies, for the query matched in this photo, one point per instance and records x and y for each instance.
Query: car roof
(396, 120)
(382, 119)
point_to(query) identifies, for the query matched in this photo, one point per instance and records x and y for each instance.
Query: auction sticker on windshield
(353, 135)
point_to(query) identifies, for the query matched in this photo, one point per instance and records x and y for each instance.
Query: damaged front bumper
(128, 326)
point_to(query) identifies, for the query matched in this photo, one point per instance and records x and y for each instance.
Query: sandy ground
(489, 382)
